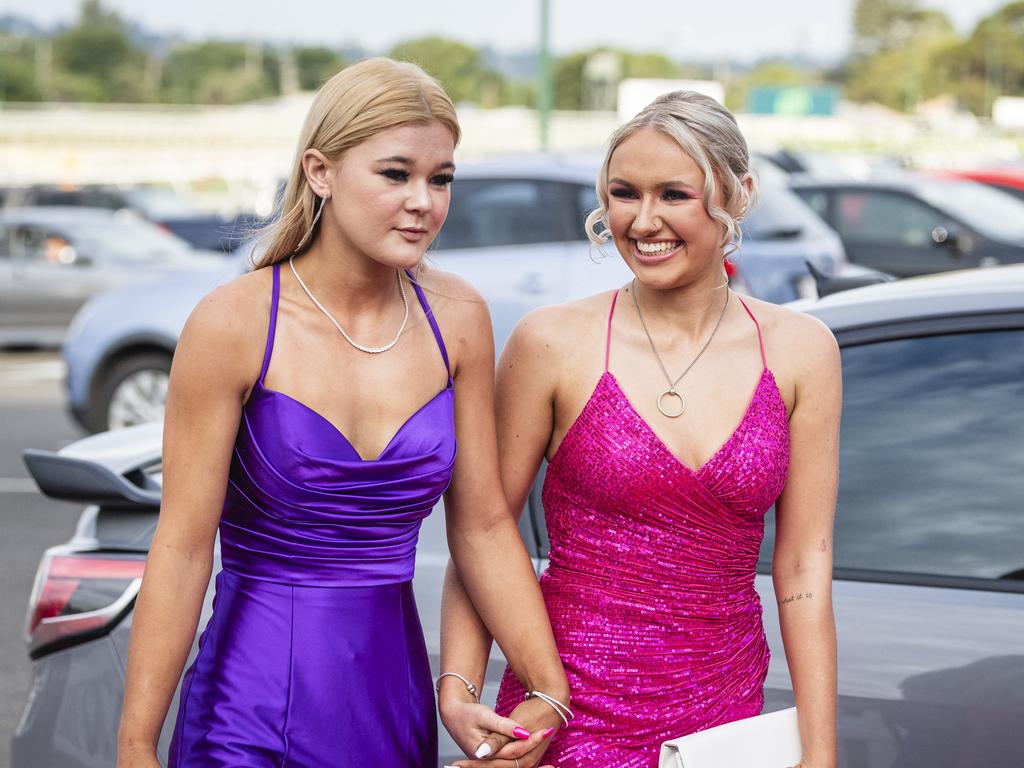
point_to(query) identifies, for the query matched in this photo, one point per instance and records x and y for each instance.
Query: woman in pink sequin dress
(656, 492)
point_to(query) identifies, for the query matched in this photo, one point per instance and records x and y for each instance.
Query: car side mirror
(946, 236)
(82, 260)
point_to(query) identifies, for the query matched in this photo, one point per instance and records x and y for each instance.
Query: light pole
(544, 86)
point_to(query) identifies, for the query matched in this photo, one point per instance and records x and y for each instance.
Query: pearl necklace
(360, 347)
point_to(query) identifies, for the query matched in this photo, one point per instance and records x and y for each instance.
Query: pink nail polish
(548, 733)
(520, 733)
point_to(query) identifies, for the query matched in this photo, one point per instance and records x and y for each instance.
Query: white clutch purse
(764, 741)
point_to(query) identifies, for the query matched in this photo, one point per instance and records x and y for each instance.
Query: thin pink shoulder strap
(608, 337)
(760, 338)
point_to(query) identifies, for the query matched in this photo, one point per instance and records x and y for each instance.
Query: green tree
(883, 25)
(654, 65)
(96, 60)
(459, 67)
(17, 71)
(316, 65)
(897, 66)
(567, 76)
(218, 72)
(989, 63)
(569, 72)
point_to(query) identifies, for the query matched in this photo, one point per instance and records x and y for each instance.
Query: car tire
(132, 391)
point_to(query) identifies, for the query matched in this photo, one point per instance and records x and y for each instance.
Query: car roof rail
(66, 478)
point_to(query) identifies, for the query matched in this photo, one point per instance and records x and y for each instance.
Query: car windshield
(159, 203)
(993, 213)
(127, 240)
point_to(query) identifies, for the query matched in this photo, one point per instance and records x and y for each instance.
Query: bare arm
(209, 378)
(802, 560)
(483, 530)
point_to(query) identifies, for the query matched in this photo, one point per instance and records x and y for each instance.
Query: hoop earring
(312, 226)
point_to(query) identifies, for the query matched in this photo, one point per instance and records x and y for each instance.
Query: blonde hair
(709, 134)
(358, 102)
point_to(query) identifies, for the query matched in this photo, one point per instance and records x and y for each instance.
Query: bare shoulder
(451, 297)
(796, 336)
(229, 325)
(562, 330)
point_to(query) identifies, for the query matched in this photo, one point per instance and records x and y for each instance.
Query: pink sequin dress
(650, 588)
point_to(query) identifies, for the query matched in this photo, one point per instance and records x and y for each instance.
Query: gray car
(53, 260)
(929, 545)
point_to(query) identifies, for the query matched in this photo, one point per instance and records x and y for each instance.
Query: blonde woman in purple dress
(317, 452)
(673, 414)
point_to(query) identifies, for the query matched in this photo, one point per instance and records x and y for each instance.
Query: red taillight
(78, 596)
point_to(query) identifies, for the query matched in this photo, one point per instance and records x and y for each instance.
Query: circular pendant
(673, 397)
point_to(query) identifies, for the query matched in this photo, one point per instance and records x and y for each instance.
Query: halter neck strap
(433, 322)
(608, 337)
(275, 298)
(760, 338)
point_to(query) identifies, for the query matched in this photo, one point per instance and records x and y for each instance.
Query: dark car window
(984, 209)
(29, 243)
(492, 212)
(91, 198)
(585, 202)
(885, 218)
(931, 474)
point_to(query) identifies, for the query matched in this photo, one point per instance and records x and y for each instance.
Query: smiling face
(389, 195)
(656, 212)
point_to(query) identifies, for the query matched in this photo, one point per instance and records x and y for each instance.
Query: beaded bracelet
(562, 711)
(473, 691)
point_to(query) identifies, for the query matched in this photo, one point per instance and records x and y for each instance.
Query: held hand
(502, 750)
(471, 725)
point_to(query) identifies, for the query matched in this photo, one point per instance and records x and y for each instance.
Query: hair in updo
(708, 133)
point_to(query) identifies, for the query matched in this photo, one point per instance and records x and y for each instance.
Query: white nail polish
(483, 750)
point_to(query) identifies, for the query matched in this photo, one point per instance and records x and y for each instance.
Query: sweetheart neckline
(337, 430)
(766, 373)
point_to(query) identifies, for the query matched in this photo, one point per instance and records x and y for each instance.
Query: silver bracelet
(473, 690)
(563, 711)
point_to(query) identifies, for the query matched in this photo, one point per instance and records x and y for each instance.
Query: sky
(737, 30)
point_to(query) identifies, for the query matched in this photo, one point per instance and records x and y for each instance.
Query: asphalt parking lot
(31, 415)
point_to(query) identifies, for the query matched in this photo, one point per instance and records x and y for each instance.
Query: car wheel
(133, 391)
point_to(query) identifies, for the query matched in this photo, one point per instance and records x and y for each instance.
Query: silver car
(929, 546)
(53, 260)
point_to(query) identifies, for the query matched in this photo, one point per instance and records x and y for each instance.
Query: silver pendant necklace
(671, 395)
(360, 347)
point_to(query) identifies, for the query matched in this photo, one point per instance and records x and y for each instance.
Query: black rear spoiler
(827, 285)
(70, 479)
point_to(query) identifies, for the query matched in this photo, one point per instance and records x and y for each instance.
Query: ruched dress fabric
(650, 587)
(314, 655)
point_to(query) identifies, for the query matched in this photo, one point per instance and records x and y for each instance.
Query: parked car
(909, 224)
(928, 545)
(514, 230)
(52, 260)
(160, 205)
(1006, 178)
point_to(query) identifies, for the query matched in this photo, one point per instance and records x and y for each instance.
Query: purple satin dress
(650, 589)
(314, 655)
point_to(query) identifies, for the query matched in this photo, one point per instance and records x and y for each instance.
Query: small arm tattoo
(794, 598)
(823, 546)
